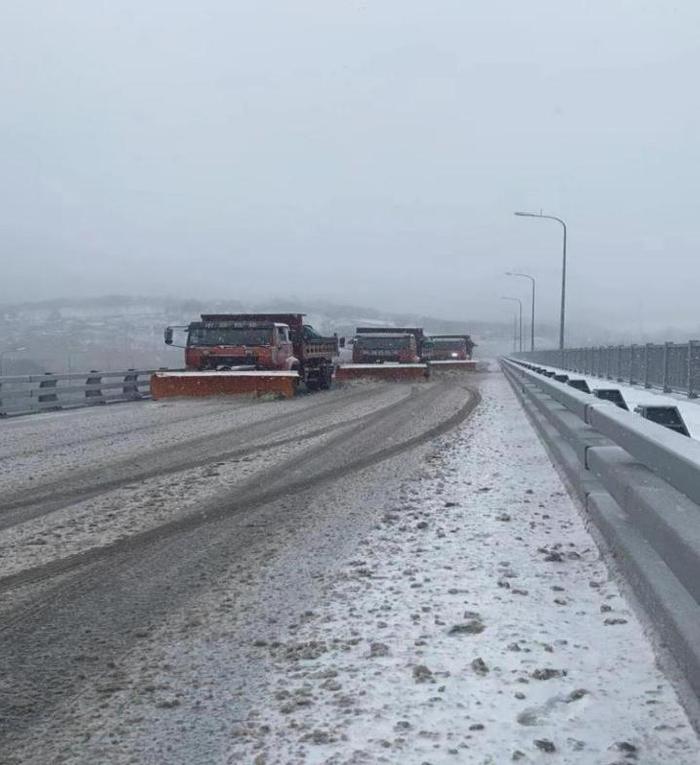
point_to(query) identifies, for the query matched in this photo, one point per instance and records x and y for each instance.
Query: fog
(371, 152)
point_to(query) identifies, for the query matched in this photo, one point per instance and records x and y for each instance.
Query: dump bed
(417, 332)
(295, 321)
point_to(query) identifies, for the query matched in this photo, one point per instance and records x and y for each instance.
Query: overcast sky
(371, 151)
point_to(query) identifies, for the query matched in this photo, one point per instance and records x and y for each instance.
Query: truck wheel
(326, 379)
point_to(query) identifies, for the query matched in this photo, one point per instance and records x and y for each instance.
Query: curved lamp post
(520, 303)
(532, 317)
(562, 317)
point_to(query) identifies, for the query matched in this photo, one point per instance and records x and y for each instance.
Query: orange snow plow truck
(449, 347)
(249, 353)
(452, 352)
(386, 353)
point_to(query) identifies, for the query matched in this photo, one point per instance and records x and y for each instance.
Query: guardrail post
(647, 360)
(608, 362)
(48, 397)
(131, 388)
(619, 364)
(666, 362)
(692, 367)
(633, 353)
(94, 378)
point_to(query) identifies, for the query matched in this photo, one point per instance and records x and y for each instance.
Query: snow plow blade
(463, 366)
(390, 372)
(215, 383)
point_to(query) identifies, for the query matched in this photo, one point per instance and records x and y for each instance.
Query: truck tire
(326, 378)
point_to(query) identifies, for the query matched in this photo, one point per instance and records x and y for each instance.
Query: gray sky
(369, 151)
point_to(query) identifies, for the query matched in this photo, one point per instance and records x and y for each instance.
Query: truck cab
(221, 344)
(448, 349)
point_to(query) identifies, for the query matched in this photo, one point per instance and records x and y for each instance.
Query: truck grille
(230, 361)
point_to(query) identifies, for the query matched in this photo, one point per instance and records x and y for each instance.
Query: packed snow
(477, 624)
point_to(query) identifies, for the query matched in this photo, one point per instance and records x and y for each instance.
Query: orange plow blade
(464, 366)
(391, 372)
(203, 384)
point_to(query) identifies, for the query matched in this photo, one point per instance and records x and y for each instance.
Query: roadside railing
(670, 367)
(36, 393)
(639, 484)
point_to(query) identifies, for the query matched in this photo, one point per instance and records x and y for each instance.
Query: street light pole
(9, 350)
(562, 318)
(520, 304)
(532, 317)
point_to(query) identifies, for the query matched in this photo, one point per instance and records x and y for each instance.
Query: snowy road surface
(336, 579)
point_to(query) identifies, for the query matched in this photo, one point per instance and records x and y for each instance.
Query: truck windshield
(381, 343)
(230, 336)
(449, 345)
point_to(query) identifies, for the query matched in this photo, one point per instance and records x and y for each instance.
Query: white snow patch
(476, 624)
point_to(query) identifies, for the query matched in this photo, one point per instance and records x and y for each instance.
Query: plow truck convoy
(405, 353)
(253, 353)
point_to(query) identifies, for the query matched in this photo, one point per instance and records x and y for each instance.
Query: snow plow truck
(451, 351)
(253, 353)
(386, 353)
(447, 347)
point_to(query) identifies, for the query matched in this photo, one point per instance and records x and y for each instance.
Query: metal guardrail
(640, 485)
(49, 392)
(670, 367)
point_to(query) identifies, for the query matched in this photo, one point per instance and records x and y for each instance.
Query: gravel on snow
(479, 624)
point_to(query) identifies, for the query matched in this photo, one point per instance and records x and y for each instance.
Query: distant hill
(120, 331)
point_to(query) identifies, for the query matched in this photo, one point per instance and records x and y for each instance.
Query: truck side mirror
(168, 335)
(341, 342)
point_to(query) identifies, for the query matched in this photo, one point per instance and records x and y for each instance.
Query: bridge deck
(341, 578)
